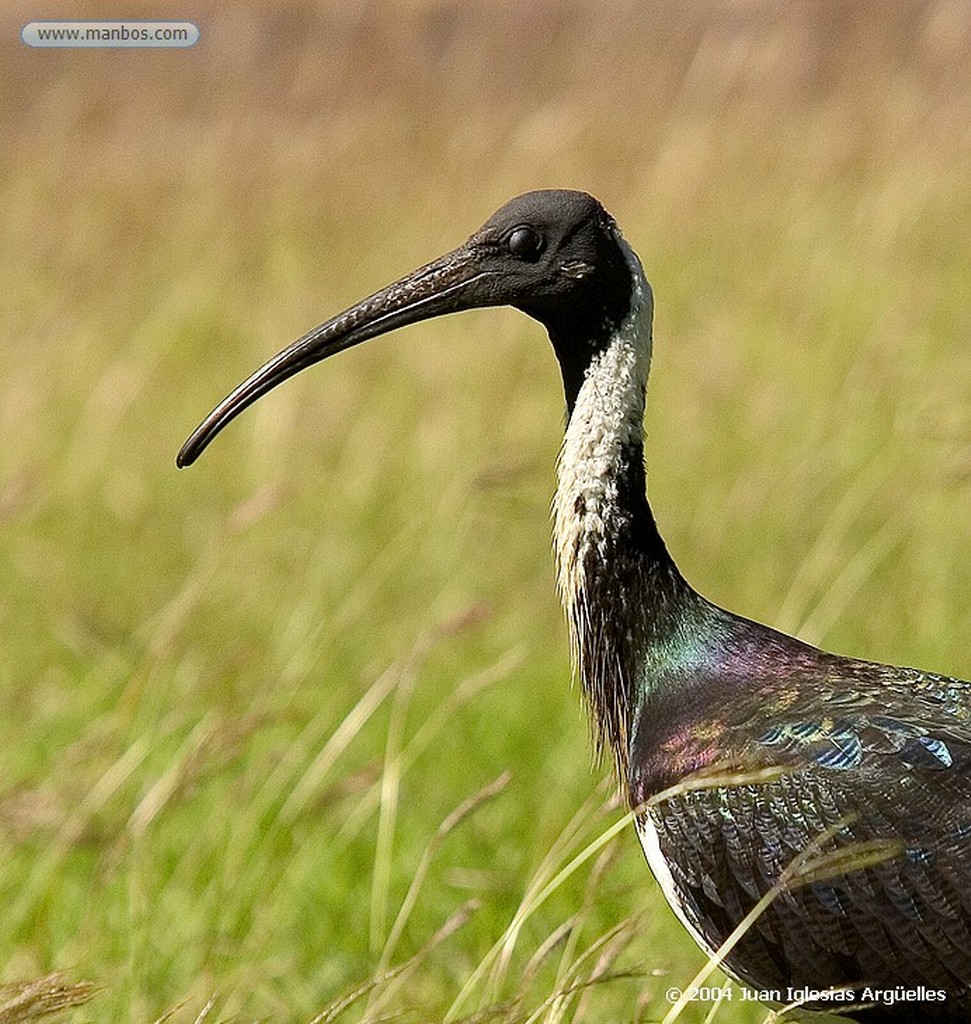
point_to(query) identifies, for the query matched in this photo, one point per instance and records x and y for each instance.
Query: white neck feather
(608, 418)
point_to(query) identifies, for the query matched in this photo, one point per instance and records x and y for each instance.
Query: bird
(808, 812)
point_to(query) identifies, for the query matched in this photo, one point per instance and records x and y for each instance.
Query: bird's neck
(621, 591)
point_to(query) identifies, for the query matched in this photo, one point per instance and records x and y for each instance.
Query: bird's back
(843, 788)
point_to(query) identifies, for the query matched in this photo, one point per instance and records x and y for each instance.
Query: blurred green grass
(241, 701)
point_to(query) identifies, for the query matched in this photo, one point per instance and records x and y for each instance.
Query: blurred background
(258, 715)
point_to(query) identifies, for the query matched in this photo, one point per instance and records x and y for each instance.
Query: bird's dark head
(556, 255)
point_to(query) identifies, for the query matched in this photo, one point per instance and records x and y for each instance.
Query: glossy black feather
(867, 787)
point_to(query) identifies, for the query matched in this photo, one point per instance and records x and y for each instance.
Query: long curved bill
(449, 284)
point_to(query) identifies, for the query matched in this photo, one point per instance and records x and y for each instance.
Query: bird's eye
(525, 242)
